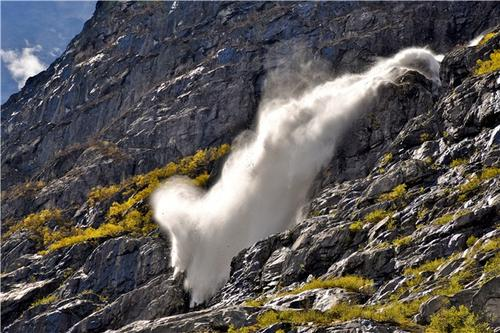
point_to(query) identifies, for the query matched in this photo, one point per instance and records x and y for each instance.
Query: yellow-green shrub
(82, 235)
(395, 312)
(471, 240)
(459, 320)
(356, 226)
(454, 284)
(491, 245)
(490, 65)
(471, 185)
(458, 162)
(99, 193)
(35, 222)
(377, 216)
(475, 181)
(255, 302)
(45, 300)
(490, 172)
(486, 38)
(36, 225)
(422, 213)
(386, 159)
(447, 218)
(492, 266)
(415, 273)
(397, 192)
(425, 137)
(134, 216)
(202, 179)
(403, 241)
(349, 282)
(444, 219)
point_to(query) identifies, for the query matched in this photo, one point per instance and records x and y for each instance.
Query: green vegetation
(35, 222)
(350, 282)
(202, 179)
(395, 312)
(471, 240)
(372, 217)
(44, 301)
(490, 172)
(474, 182)
(444, 219)
(492, 266)
(491, 245)
(469, 187)
(425, 137)
(377, 216)
(428, 160)
(255, 302)
(490, 65)
(422, 213)
(356, 226)
(314, 213)
(132, 216)
(39, 231)
(386, 159)
(459, 161)
(454, 284)
(459, 320)
(397, 192)
(447, 218)
(415, 273)
(486, 38)
(402, 241)
(98, 194)
(82, 235)
(382, 245)
(102, 298)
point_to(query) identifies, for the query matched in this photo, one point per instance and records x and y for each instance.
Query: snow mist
(266, 178)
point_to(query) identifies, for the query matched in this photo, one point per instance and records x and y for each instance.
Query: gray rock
(119, 266)
(57, 318)
(376, 263)
(430, 307)
(162, 296)
(486, 301)
(22, 296)
(147, 83)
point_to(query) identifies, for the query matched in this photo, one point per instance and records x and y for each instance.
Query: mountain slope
(410, 200)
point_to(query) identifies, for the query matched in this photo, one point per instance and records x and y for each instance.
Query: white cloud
(22, 65)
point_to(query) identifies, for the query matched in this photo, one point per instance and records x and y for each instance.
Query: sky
(34, 34)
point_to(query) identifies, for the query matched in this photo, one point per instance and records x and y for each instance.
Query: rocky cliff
(402, 229)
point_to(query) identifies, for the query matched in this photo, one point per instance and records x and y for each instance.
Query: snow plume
(266, 179)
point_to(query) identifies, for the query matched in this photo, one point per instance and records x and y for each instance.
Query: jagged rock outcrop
(410, 200)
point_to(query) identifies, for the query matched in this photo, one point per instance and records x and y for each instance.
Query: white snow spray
(267, 176)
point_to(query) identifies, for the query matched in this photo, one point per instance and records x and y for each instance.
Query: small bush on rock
(377, 216)
(459, 320)
(350, 282)
(489, 65)
(397, 192)
(356, 226)
(486, 38)
(44, 301)
(459, 161)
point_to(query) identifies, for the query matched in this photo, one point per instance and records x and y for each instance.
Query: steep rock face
(145, 83)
